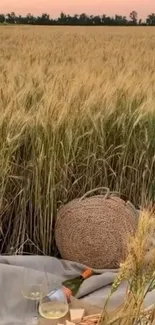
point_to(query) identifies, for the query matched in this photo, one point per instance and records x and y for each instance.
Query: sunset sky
(54, 7)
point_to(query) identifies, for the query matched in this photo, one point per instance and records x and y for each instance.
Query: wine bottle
(72, 286)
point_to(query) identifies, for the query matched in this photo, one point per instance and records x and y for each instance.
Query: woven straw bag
(94, 230)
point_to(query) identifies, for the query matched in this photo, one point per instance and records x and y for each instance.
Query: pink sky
(54, 7)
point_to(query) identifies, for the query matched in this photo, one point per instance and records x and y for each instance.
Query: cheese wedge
(76, 314)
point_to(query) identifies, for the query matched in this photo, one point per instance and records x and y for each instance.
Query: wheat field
(77, 111)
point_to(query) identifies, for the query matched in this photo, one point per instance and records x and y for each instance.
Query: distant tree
(62, 19)
(2, 18)
(83, 19)
(120, 20)
(97, 20)
(43, 20)
(30, 18)
(11, 18)
(103, 18)
(69, 20)
(134, 17)
(109, 21)
(75, 19)
(151, 19)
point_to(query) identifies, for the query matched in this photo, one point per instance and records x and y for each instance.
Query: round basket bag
(94, 230)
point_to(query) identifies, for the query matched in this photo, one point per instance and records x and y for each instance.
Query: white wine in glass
(32, 292)
(54, 305)
(35, 286)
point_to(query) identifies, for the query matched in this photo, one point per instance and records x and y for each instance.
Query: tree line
(78, 20)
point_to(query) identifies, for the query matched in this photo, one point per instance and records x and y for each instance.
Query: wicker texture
(94, 231)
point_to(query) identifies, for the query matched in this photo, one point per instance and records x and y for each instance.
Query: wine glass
(54, 305)
(35, 286)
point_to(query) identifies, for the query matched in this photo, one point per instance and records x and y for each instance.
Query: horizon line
(78, 14)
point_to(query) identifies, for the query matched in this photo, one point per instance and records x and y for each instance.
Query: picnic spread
(92, 236)
(92, 293)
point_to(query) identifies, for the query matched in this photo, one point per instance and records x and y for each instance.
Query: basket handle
(105, 189)
(133, 209)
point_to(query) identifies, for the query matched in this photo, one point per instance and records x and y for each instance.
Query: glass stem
(36, 312)
(36, 307)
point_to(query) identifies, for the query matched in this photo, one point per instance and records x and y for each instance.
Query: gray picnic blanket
(94, 290)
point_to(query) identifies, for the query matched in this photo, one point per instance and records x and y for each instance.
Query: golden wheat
(140, 277)
(76, 112)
